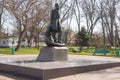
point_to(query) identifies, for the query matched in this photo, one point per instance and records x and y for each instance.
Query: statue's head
(57, 6)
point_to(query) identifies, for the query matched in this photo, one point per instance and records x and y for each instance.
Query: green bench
(117, 53)
(100, 51)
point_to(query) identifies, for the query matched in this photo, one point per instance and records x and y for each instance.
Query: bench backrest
(101, 51)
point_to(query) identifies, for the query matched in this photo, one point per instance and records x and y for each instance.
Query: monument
(28, 66)
(55, 50)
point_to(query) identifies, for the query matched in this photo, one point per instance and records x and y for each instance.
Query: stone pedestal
(53, 54)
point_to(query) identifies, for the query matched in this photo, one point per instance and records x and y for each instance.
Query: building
(69, 37)
(8, 41)
(12, 41)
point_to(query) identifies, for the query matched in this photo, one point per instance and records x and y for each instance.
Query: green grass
(20, 51)
(28, 50)
(5, 51)
(91, 50)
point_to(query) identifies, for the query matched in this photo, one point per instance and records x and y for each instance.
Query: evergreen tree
(82, 38)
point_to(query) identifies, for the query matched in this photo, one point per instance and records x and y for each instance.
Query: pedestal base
(53, 54)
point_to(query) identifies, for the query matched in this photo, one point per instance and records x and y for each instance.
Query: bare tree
(89, 10)
(39, 21)
(1, 13)
(68, 16)
(66, 12)
(100, 11)
(77, 12)
(117, 28)
(108, 18)
(20, 10)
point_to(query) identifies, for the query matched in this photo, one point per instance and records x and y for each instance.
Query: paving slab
(74, 57)
(107, 74)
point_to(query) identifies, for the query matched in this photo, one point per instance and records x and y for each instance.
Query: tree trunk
(19, 43)
(103, 28)
(20, 39)
(81, 48)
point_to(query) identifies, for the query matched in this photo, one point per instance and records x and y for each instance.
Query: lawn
(28, 50)
(91, 50)
(20, 51)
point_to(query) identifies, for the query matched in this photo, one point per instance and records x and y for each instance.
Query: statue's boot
(54, 36)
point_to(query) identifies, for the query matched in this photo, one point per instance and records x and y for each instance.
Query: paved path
(107, 74)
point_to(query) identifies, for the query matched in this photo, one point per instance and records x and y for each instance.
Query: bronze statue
(54, 30)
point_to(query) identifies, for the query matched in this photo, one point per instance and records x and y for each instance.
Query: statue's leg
(48, 39)
(59, 34)
(54, 36)
(60, 37)
(48, 34)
